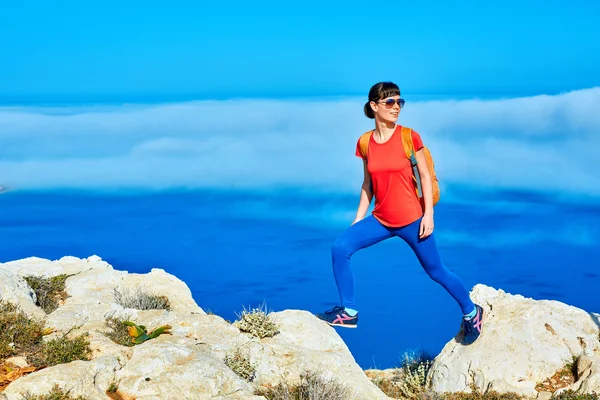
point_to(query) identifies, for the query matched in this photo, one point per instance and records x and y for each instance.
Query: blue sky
(194, 50)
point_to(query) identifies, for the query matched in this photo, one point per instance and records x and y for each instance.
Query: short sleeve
(358, 153)
(416, 138)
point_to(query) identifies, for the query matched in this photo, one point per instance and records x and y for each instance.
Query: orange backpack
(409, 149)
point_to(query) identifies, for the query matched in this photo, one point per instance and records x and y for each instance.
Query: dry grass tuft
(18, 333)
(257, 323)
(240, 364)
(312, 387)
(140, 299)
(49, 291)
(571, 395)
(23, 336)
(408, 381)
(56, 394)
(118, 332)
(62, 350)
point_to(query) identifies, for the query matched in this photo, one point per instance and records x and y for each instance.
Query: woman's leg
(429, 257)
(362, 234)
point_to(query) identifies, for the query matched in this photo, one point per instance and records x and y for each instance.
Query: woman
(388, 176)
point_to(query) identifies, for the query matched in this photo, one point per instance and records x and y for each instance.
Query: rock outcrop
(524, 342)
(189, 363)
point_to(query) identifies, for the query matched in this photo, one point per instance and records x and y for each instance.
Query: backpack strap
(364, 143)
(409, 149)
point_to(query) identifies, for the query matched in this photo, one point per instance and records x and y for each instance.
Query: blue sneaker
(337, 316)
(473, 327)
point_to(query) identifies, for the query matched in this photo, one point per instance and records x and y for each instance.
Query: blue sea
(243, 248)
(242, 198)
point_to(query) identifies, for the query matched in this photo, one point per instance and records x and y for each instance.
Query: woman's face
(388, 109)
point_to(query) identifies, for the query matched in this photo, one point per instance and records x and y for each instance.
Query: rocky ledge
(525, 345)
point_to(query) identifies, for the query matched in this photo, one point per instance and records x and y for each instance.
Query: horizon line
(158, 97)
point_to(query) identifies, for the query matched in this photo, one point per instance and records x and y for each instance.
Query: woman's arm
(366, 195)
(427, 188)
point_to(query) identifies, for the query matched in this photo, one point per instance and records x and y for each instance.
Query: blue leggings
(369, 231)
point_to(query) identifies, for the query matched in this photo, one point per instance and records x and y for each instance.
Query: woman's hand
(426, 228)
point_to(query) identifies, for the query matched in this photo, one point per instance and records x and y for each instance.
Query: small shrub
(257, 323)
(240, 364)
(408, 381)
(61, 351)
(49, 291)
(56, 394)
(389, 387)
(477, 395)
(18, 332)
(571, 395)
(140, 299)
(416, 359)
(311, 387)
(118, 332)
(113, 387)
(412, 382)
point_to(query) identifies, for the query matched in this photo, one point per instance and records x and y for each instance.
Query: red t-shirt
(396, 202)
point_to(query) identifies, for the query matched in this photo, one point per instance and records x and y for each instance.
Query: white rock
(15, 290)
(159, 282)
(90, 379)
(43, 267)
(164, 370)
(588, 374)
(544, 396)
(306, 344)
(20, 362)
(206, 330)
(524, 341)
(189, 363)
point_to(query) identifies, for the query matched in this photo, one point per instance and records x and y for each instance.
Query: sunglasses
(389, 103)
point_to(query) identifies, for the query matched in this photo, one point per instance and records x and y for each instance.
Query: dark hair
(380, 91)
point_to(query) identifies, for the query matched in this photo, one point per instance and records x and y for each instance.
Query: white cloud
(543, 143)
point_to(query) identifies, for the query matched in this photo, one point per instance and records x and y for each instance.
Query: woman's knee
(341, 248)
(437, 272)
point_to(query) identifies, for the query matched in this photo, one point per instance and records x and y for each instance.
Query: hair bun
(368, 110)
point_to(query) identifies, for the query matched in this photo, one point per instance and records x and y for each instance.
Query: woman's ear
(373, 106)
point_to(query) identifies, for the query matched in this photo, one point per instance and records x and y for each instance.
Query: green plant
(257, 323)
(49, 291)
(18, 332)
(140, 299)
(571, 395)
(413, 359)
(113, 387)
(240, 364)
(409, 380)
(477, 395)
(311, 387)
(415, 366)
(139, 333)
(388, 387)
(412, 383)
(56, 394)
(61, 351)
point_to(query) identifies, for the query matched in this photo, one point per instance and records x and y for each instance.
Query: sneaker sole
(342, 326)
